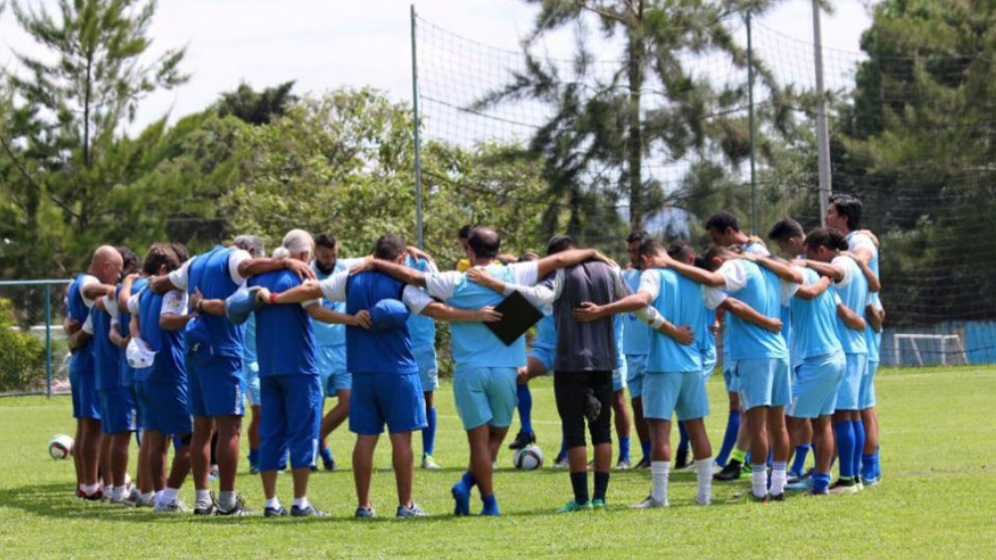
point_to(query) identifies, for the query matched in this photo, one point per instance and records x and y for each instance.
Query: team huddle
(173, 347)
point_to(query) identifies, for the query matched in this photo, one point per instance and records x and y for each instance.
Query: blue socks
(490, 505)
(563, 449)
(845, 448)
(429, 432)
(821, 482)
(729, 438)
(624, 449)
(645, 447)
(799, 461)
(525, 406)
(682, 438)
(859, 445)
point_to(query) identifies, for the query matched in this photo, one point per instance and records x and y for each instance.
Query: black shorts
(572, 390)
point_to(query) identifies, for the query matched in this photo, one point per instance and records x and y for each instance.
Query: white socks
(301, 503)
(226, 500)
(779, 477)
(273, 503)
(703, 468)
(167, 496)
(117, 493)
(759, 480)
(659, 471)
(202, 497)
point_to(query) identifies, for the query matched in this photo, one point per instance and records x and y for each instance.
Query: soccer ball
(61, 447)
(529, 458)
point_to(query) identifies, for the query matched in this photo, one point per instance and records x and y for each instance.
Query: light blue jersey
(249, 350)
(422, 329)
(853, 292)
(546, 333)
(761, 292)
(330, 334)
(815, 332)
(679, 300)
(855, 241)
(636, 335)
(474, 345)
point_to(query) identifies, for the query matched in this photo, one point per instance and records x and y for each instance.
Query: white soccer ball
(61, 447)
(529, 458)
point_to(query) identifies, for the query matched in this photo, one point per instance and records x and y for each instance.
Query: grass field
(938, 497)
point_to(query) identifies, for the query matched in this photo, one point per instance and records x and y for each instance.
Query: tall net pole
(418, 143)
(822, 134)
(750, 124)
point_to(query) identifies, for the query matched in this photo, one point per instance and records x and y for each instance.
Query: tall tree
(77, 97)
(257, 107)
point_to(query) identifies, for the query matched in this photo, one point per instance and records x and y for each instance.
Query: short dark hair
(389, 247)
(560, 242)
(785, 229)
(650, 247)
(485, 242)
(464, 232)
(637, 236)
(326, 240)
(680, 251)
(529, 256)
(129, 260)
(712, 253)
(160, 254)
(182, 253)
(831, 238)
(722, 220)
(850, 207)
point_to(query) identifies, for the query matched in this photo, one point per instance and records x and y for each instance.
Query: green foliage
(255, 107)
(22, 356)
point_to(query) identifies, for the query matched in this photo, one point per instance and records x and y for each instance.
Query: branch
(607, 15)
(31, 180)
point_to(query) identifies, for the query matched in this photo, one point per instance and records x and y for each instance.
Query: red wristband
(273, 298)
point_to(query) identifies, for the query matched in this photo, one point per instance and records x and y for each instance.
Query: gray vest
(585, 346)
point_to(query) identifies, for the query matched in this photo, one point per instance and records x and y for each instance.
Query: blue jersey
(680, 301)
(854, 295)
(126, 372)
(704, 339)
(762, 292)
(284, 340)
(546, 333)
(106, 356)
(209, 273)
(168, 367)
(474, 345)
(815, 332)
(422, 329)
(330, 334)
(76, 309)
(249, 354)
(377, 352)
(636, 335)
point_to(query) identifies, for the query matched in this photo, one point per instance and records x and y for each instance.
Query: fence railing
(30, 307)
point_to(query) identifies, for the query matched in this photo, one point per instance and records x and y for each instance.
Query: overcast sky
(324, 44)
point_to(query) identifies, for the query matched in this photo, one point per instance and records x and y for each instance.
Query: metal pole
(48, 339)
(822, 132)
(418, 141)
(750, 124)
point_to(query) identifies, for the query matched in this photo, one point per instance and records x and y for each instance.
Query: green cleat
(598, 503)
(572, 506)
(429, 463)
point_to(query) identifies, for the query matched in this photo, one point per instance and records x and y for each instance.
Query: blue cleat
(461, 495)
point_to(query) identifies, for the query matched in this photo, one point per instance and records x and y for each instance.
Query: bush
(22, 356)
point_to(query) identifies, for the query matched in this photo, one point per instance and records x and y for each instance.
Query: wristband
(273, 298)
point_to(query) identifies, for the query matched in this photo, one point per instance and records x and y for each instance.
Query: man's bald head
(106, 264)
(485, 242)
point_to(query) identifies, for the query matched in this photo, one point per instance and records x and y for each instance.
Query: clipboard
(517, 316)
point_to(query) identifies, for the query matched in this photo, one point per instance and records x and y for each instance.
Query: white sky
(324, 44)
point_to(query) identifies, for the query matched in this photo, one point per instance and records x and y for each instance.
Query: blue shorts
(485, 396)
(290, 421)
(164, 408)
(84, 390)
(619, 378)
(250, 375)
(545, 356)
(428, 371)
(667, 394)
(386, 398)
(117, 410)
(636, 367)
(332, 370)
(815, 382)
(763, 382)
(849, 395)
(214, 384)
(866, 396)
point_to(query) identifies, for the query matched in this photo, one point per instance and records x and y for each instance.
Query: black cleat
(275, 512)
(328, 464)
(238, 510)
(644, 463)
(729, 473)
(522, 439)
(205, 509)
(681, 459)
(309, 511)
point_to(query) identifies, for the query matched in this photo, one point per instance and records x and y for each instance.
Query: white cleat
(650, 503)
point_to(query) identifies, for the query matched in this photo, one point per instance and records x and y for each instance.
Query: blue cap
(240, 305)
(388, 314)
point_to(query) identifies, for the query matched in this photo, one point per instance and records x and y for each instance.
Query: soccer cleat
(365, 513)
(413, 511)
(97, 496)
(522, 439)
(793, 477)
(870, 481)
(213, 473)
(598, 503)
(275, 511)
(329, 464)
(700, 501)
(176, 506)
(766, 498)
(314, 468)
(309, 511)
(591, 465)
(644, 463)
(778, 497)
(253, 469)
(205, 509)
(729, 473)
(430, 464)
(622, 465)
(561, 463)
(572, 506)
(462, 498)
(80, 494)
(800, 485)
(844, 487)
(681, 460)
(237, 510)
(650, 503)
(815, 492)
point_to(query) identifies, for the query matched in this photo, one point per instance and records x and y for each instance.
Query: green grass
(938, 497)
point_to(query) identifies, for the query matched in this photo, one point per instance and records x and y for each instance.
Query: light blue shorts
(636, 367)
(545, 356)
(866, 397)
(763, 382)
(815, 382)
(848, 396)
(731, 380)
(619, 378)
(667, 394)
(251, 376)
(428, 369)
(485, 396)
(332, 370)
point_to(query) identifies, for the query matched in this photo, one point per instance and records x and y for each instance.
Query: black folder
(517, 315)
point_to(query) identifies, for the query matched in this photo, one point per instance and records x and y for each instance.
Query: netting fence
(928, 197)
(34, 356)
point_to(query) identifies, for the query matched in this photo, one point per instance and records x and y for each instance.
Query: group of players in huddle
(174, 346)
